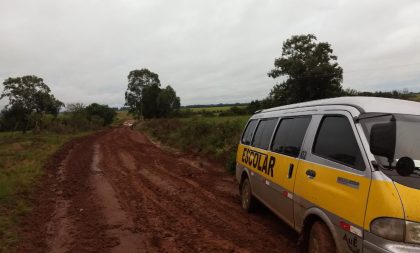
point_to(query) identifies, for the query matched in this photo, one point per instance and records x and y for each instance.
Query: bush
(231, 161)
(96, 111)
(77, 118)
(205, 113)
(210, 136)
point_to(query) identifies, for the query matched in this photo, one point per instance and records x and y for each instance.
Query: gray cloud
(209, 51)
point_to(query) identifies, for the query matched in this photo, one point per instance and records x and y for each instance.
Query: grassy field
(22, 157)
(211, 109)
(241, 118)
(417, 97)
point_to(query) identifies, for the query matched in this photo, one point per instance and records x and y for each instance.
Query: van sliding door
(285, 148)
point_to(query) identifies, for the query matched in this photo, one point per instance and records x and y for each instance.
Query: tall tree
(310, 69)
(150, 101)
(145, 98)
(168, 101)
(138, 80)
(28, 95)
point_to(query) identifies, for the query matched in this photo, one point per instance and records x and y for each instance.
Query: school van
(343, 172)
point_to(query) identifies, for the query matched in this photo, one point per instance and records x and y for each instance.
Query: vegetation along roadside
(214, 137)
(22, 158)
(32, 129)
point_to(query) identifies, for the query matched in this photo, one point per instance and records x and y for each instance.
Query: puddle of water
(118, 222)
(96, 158)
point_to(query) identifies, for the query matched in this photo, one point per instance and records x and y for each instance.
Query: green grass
(417, 97)
(215, 137)
(211, 109)
(121, 117)
(22, 157)
(241, 118)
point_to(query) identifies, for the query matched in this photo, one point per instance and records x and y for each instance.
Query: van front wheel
(320, 239)
(247, 200)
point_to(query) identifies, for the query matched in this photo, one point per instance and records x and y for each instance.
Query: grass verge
(22, 157)
(211, 108)
(216, 137)
(120, 118)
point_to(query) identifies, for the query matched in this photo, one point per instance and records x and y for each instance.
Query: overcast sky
(208, 51)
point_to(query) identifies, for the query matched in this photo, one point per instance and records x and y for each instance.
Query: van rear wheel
(320, 239)
(247, 200)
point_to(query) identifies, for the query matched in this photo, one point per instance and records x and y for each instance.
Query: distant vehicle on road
(128, 124)
(343, 172)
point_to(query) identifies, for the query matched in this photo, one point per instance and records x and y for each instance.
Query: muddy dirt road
(116, 191)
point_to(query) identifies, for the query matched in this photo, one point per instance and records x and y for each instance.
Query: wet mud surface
(116, 191)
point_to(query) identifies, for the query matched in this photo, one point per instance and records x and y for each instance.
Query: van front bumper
(376, 244)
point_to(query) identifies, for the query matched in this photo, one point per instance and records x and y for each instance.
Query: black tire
(248, 202)
(320, 239)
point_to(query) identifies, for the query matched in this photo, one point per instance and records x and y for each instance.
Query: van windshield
(407, 145)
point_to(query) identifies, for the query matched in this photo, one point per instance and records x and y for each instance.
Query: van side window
(336, 141)
(289, 136)
(263, 133)
(246, 137)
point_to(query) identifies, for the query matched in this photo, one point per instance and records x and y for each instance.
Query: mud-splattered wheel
(320, 239)
(248, 201)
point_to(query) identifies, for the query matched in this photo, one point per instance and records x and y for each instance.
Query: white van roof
(363, 104)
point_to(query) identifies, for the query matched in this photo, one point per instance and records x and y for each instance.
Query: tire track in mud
(122, 193)
(164, 197)
(165, 172)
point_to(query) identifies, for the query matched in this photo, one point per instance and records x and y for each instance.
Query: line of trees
(32, 106)
(146, 99)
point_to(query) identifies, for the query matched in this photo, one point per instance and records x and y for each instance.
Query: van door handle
(311, 174)
(290, 174)
(348, 182)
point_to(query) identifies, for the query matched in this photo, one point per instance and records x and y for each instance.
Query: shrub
(210, 136)
(76, 118)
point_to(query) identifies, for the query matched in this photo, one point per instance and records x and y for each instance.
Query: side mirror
(383, 139)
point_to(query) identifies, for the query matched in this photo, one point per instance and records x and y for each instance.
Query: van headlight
(412, 234)
(388, 228)
(396, 230)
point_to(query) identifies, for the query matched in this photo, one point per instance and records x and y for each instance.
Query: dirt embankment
(117, 192)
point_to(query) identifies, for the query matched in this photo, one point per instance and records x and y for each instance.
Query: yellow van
(343, 172)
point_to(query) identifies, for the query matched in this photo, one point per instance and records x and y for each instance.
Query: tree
(29, 95)
(103, 112)
(75, 108)
(168, 102)
(138, 80)
(254, 106)
(311, 71)
(150, 100)
(145, 98)
(11, 118)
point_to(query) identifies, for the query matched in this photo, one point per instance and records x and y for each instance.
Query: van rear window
(247, 136)
(336, 141)
(289, 136)
(263, 133)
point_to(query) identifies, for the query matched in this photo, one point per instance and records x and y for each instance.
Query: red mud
(118, 192)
